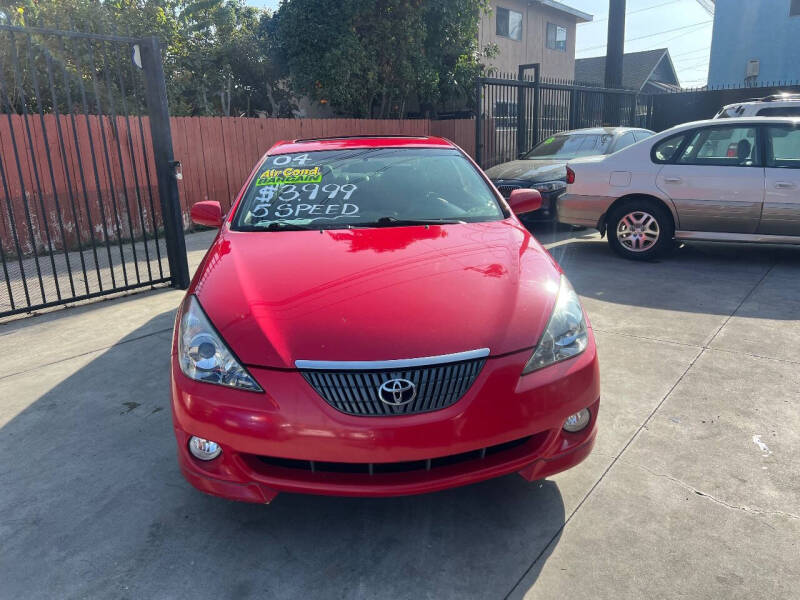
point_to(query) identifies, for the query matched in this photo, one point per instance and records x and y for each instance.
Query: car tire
(640, 230)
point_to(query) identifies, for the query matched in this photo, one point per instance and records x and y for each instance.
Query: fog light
(204, 449)
(578, 421)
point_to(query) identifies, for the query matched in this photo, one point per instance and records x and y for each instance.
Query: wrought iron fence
(515, 112)
(89, 201)
(673, 108)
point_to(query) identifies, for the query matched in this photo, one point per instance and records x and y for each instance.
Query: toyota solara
(373, 320)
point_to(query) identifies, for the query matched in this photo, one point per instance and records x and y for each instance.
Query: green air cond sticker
(289, 176)
(548, 141)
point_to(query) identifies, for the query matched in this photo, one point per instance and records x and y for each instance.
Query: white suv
(778, 105)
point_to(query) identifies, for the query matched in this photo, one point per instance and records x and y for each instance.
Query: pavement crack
(643, 427)
(694, 490)
(739, 306)
(648, 338)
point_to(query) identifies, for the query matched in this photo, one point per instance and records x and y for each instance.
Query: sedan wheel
(638, 231)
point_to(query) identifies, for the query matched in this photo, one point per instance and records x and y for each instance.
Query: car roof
(737, 122)
(602, 130)
(773, 99)
(359, 141)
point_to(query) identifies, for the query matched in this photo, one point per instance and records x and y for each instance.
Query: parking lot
(692, 491)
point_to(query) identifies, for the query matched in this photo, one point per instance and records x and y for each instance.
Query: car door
(781, 214)
(716, 182)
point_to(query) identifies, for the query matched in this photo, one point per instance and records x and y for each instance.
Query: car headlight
(565, 335)
(550, 186)
(203, 355)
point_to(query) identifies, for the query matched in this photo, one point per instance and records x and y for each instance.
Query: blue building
(755, 42)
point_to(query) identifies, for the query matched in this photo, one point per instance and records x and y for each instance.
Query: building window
(509, 23)
(556, 37)
(794, 8)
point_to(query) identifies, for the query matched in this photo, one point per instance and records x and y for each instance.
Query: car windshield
(367, 187)
(566, 146)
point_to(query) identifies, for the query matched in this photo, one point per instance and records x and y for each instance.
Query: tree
(214, 58)
(370, 57)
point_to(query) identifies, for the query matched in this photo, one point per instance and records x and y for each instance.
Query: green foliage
(371, 57)
(377, 58)
(214, 58)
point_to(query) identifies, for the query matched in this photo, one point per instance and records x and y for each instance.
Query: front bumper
(269, 441)
(548, 211)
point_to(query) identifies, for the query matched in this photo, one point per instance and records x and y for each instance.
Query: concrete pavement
(693, 489)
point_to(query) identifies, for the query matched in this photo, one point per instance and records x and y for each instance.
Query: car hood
(529, 170)
(377, 293)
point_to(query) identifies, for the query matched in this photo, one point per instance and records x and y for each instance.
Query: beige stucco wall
(532, 47)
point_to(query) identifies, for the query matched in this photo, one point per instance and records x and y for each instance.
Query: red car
(373, 320)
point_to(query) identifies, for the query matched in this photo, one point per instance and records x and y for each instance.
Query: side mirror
(524, 201)
(208, 213)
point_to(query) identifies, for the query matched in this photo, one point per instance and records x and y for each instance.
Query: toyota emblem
(397, 392)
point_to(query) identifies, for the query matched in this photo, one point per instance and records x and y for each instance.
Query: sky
(683, 26)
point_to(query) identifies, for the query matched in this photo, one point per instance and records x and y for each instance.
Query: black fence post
(478, 123)
(536, 83)
(573, 98)
(521, 128)
(156, 95)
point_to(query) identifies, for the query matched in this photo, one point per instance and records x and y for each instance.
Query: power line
(680, 35)
(664, 43)
(691, 52)
(643, 37)
(633, 12)
(695, 67)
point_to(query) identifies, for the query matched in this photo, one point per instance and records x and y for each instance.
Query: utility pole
(615, 48)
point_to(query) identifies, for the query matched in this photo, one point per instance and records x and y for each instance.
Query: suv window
(721, 146)
(665, 150)
(783, 147)
(642, 134)
(365, 187)
(779, 111)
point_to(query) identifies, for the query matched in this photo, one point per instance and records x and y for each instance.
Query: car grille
(356, 392)
(316, 466)
(507, 189)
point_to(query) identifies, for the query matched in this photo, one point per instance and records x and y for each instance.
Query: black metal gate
(88, 197)
(515, 112)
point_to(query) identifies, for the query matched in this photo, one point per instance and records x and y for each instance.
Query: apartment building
(532, 31)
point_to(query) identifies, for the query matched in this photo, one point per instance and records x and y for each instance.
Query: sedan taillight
(570, 175)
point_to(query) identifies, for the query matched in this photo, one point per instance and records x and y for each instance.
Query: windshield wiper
(282, 226)
(395, 222)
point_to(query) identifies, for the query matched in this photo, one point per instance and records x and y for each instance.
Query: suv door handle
(673, 180)
(784, 185)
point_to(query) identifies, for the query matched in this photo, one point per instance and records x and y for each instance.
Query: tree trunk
(230, 80)
(368, 106)
(383, 103)
(273, 108)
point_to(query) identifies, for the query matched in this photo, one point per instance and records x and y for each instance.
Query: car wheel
(640, 230)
